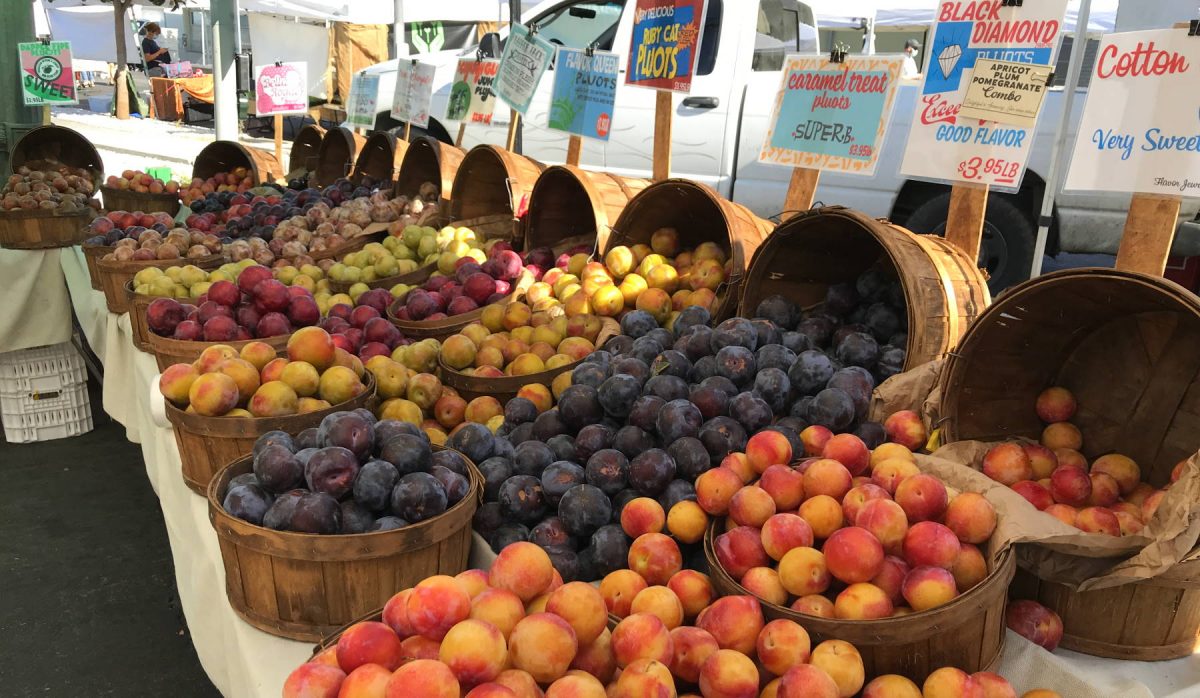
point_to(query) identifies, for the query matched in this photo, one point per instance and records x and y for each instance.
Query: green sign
(46, 75)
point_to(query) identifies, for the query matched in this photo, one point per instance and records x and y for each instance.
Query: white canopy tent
(915, 13)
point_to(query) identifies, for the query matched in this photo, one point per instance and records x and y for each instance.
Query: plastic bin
(43, 394)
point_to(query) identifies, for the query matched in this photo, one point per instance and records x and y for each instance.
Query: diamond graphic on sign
(948, 58)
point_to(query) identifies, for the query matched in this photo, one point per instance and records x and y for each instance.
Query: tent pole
(225, 106)
(401, 46)
(1058, 154)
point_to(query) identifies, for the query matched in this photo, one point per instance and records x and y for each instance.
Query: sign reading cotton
(666, 41)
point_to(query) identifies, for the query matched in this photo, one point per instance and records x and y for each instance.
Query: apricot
(891, 578)
(862, 601)
(740, 464)
(1069, 456)
(499, 607)
(475, 651)
(1041, 459)
(1007, 463)
(339, 384)
(658, 601)
(312, 345)
(597, 658)
(843, 663)
(734, 621)
(259, 354)
(524, 569)
(1055, 405)
(1063, 512)
(538, 394)
(751, 506)
(428, 678)
(1098, 520)
(642, 515)
(576, 686)
(891, 686)
(906, 428)
(813, 605)
(176, 381)
(686, 521)
(715, 488)
(655, 557)
(854, 554)
(764, 583)
(889, 450)
(212, 356)
(823, 514)
(928, 587)
(644, 678)
(313, 679)
(922, 497)
(767, 448)
(582, 606)
(828, 477)
(739, 549)
(728, 674)
(693, 589)
(971, 517)
(641, 636)
(889, 473)
(782, 532)
(395, 614)
(970, 568)
(435, 605)
(214, 394)
(993, 685)
(858, 496)
(807, 681)
(367, 681)
(1105, 490)
(781, 645)
(949, 682)
(1062, 435)
(785, 485)
(543, 645)
(619, 588)
(691, 647)
(368, 642)
(1121, 468)
(519, 682)
(490, 690)
(804, 571)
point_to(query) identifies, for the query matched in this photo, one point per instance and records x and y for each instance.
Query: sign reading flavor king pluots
(666, 41)
(1140, 130)
(945, 145)
(585, 89)
(46, 76)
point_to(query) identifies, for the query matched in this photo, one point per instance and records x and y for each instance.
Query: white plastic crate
(19, 368)
(43, 394)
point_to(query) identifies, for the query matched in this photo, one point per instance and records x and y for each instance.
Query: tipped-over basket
(570, 205)
(491, 188)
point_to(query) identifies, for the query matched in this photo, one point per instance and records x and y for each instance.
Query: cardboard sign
(46, 75)
(471, 97)
(414, 92)
(281, 89)
(363, 103)
(946, 145)
(1006, 92)
(831, 116)
(1140, 130)
(585, 88)
(666, 42)
(526, 56)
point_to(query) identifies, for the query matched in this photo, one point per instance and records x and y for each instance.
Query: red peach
(1055, 405)
(813, 605)
(782, 532)
(313, 680)
(1034, 622)
(435, 605)
(582, 606)
(543, 645)
(928, 587)
(891, 686)
(922, 497)
(656, 557)
(734, 621)
(475, 651)
(618, 589)
(419, 647)
(473, 581)
(823, 514)
(395, 614)
(658, 601)
(520, 683)
(858, 496)
(751, 506)
(971, 517)
(969, 568)
(891, 577)
(814, 439)
(691, 647)
(764, 583)
(576, 686)
(929, 543)
(862, 601)
(854, 555)
(597, 658)
(949, 682)
(694, 590)
(807, 681)
(1129, 523)
(1120, 468)
(644, 678)
(993, 685)
(642, 515)
(367, 681)
(1105, 490)
(524, 569)
(1007, 463)
(843, 663)
(781, 645)
(490, 690)
(785, 485)
(850, 451)
(1034, 493)
(427, 678)
(1098, 520)
(884, 519)
(1063, 512)
(641, 636)
(1070, 485)
(1069, 456)
(829, 477)
(728, 674)
(889, 473)
(1041, 459)
(1062, 435)
(804, 571)
(368, 642)
(767, 448)
(714, 489)
(906, 428)
(500, 607)
(739, 549)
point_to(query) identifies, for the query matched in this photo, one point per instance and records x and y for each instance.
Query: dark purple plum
(331, 470)
(374, 484)
(710, 400)
(305, 454)
(280, 438)
(858, 349)
(551, 532)
(722, 436)
(672, 363)
(244, 479)
(663, 336)
(768, 332)
(774, 356)
(617, 394)
(737, 364)
(818, 329)
(872, 284)
(667, 387)
(410, 454)
(751, 411)
(734, 331)
(565, 561)
(900, 339)
(348, 430)
(632, 366)
(388, 523)
(521, 434)
(454, 485)
(891, 362)
(277, 469)
(495, 471)
(841, 298)
(677, 419)
(549, 424)
(637, 323)
(790, 434)
(811, 372)
(721, 383)
(650, 472)
(387, 428)
(619, 501)
(833, 409)
(355, 517)
(618, 345)
(676, 492)
(532, 457)
(799, 409)
(559, 477)
(585, 374)
(882, 320)
(247, 502)
(608, 470)
(562, 447)
(488, 517)
(522, 499)
(418, 496)
(520, 410)
(690, 456)
(503, 448)
(451, 460)
(316, 512)
(475, 441)
(857, 382)
(845, 331)
(611, 547)
(309, 438)
(696, 343)
(601, 357)
(796, 341)
(592, 438)
(894, 296)
(631, 440)
(871, 433)
(366, 414)
(691, 316)
(704, 368)
(279, 516)
(779, 310)
(583, 509)
(508, 534)
(773, 386)
(796, 424)
(644, 412)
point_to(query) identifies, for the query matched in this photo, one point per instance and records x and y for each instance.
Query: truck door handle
(702, 102)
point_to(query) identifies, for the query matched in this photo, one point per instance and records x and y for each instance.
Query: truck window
(581, 24)
(778, 33)
(710, 38)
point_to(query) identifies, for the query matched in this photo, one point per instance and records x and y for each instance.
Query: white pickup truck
(720, 127)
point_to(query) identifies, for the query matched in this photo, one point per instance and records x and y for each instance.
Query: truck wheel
(1006, 251)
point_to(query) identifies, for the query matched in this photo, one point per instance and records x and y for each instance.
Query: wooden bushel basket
(115, 274)
(379, 158)
(168, 351)
(138, 327)
(967, 633)
(306, 587)
(91, 255)
(943, 290)
(52, 142)
(699, 214)
(563, 194)
(303, 158)
(429, 160)
(1124, 344)
(38, 229)
(440, 329)
(336, 156)
(207, 444)
(125, 200)
(225, 156)
(489, 188)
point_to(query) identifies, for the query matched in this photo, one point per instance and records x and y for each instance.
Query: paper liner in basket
(918, 389)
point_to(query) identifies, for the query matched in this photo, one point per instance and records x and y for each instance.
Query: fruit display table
(37, 308)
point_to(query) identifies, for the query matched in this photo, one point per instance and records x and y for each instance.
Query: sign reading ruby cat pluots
(1153, 148)
(666, 44)
(281, 88)
(945, 145)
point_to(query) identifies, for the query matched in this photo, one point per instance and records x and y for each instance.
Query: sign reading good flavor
(666, 40)
(363, 103)
(831, 116)
(585, 88)
(1155, 147)
(944, 144)
(414, 92)
(526, 56)
(471, 97)
(46, 76)
(281, 88)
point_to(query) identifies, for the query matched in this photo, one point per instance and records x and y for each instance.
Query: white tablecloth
(35, 308)
(244, 662)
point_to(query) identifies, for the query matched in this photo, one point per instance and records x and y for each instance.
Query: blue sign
(585, 88)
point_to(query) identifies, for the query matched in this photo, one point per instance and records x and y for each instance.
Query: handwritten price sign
(281, 89)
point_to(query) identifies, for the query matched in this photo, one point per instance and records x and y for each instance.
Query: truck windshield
(581, 24)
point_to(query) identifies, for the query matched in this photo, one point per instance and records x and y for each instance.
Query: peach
(656, 557)
(693, 589)
(807, 681)
(524, 569)
(782, 532)
(1063, 512)
(1098, 520)
(969, 569)
(850, 451)
(767, 448)
(993, 685)
(1055, 405)
(781, 645)
(739, 463)
(728, 674)
(686, 521)
(928, 587)
(1129, 524)
(1069, 456)
(813, 605)
(1105, 490)
(949, 682)
(500, 607)
(435, 605)
(814, 439)
(597, 658)
(891, 686)
(692, 646)
(862, 601)
(658, 601)
(889, 450)
(1062, 435)
(427, 678)
(543, 645)
(804, 571)
(1041, 459)
(858, 496)
(1121, 468)
(214, 394)
(176, 381)
(582, 606)
(1150, 505)
(259, 354)
(891, 577)
(538, 394)
(212, 356)
(313, 345)
(395, 614)
(367, 681)
(785, 485)
(641, 636)
(1070, 485)
(734, 621)
(764, 583)
(843, 663)
(644, 678)
(751, 506)
(312, 680)
(326, 656)
(823, 514)
(829, 477)
(619, 588)
(971, 517)
(715, 488)
(519, 682)
(475, 651)
(368, 642)
(922, 497)
(885, 519)
(1034, 622)
(929, 543)
(854, 554)
(576, 686)
(1007, 463)
(906, 428)
(474, 582)
(889, 473)
(642, 515)
(490, 690)
(1034, 493)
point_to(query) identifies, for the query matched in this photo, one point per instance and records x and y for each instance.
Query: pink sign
(281, 88)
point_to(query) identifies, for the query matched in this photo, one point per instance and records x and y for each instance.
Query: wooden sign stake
(1149, 232)
(801, 191)
(279, 137)
(964, 221)
(574, 147)
(662, 135)
(511, 142)
(408, 130)
(462, 131)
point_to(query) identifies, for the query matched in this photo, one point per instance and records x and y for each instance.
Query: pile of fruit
(507, 342)
(467, 285)
(48, 186)
(255, 306)
(238, 180)
(1106, 497)
(376, 260)
(142, 183)
(185, 282)
(255, 382)
(362, 330)
(145, 236)
(351, 474)
(518, 629)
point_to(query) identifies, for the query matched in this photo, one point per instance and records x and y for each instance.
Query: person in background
(154, 55)
(910, 69)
